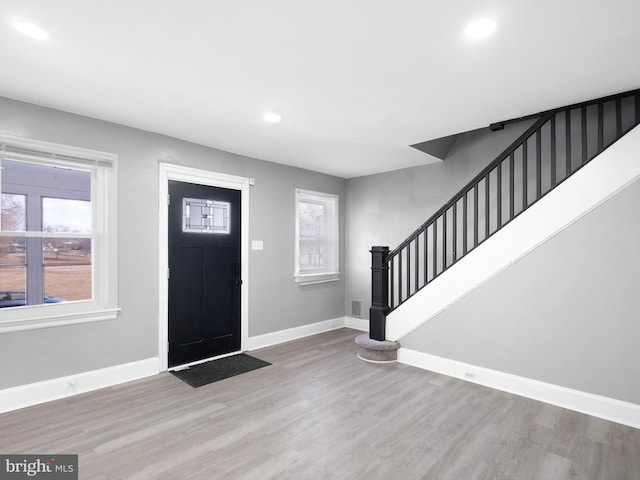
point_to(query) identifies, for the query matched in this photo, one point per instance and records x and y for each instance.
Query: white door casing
(203, 177)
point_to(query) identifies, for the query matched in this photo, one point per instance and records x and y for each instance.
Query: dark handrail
(543, 118)
(464, 190)
(577, 132)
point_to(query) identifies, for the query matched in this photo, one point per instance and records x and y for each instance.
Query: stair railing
(552, 149)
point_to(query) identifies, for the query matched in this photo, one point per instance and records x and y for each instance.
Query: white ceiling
(356, 81)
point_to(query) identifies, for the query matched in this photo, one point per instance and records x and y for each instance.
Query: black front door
(204, 272)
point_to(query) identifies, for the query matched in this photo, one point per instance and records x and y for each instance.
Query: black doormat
(209, 372)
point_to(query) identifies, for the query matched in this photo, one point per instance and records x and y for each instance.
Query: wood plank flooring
(321, 413)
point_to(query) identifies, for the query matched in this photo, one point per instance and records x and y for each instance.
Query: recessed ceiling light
(31, 30)
(481, 28)
(272, 117)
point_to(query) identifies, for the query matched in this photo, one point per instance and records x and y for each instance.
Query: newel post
(379, 293)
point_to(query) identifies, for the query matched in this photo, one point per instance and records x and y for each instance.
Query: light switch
(257, 245)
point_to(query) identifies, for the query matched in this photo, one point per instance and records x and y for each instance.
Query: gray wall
(568, 313)
(276, 302)
(384, 209)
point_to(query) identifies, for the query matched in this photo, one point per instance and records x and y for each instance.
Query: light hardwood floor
(321, 413)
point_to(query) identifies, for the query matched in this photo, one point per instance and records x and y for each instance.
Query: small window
(205, 216)
(57, 235)
(317, 238)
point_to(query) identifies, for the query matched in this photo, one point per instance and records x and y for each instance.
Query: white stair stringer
(603, 177)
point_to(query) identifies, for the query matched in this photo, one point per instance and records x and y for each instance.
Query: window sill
(48, 321)
(314, 278)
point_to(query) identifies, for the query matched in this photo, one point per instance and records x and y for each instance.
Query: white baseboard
(34, 393)
(356, 323)
(40, 392)
(281, 336)
(595, 405)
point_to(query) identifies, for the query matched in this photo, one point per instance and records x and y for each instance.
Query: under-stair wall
(567, 314)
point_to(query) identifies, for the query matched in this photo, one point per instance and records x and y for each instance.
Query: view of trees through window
(316, 234)
(12, 249)
(45, 234)
(311, 235)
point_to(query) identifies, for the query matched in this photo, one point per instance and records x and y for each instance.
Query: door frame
(181, 173)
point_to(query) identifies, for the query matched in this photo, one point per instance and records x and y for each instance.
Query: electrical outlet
(470, 375)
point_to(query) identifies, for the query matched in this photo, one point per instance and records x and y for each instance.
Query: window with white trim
(317, 237)
(58, 235)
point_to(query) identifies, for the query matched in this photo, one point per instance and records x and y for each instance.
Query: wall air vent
(356, 308)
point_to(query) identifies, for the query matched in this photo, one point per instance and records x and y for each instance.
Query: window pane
(205, 216)
(311, 236)
(311, 219)
(65, 215)
(12, 286)
(12, 251)
(12, 272)
(14, 212)
(67, 269)
(65, 194)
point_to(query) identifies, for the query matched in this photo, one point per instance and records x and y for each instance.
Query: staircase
(517, 195)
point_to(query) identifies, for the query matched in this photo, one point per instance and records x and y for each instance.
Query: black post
(379, 293)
